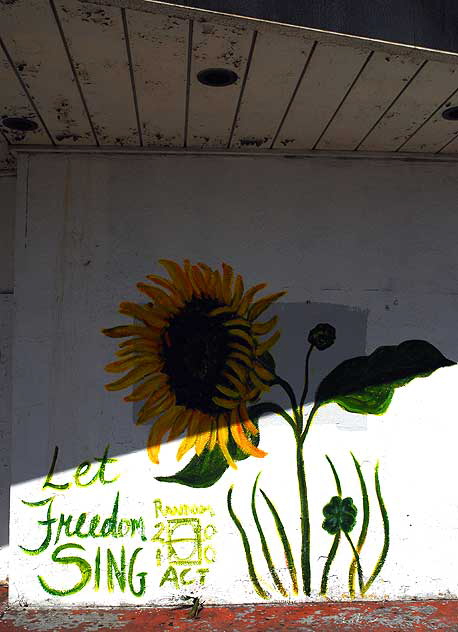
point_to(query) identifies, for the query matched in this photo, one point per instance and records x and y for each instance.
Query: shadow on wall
(193, 388)
(295, 321)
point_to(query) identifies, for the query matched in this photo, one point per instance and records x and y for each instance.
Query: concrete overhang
(122, 75)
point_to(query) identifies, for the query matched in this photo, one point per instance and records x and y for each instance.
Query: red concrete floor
(411, 616)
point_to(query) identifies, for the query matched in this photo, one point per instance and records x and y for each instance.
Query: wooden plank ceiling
(99, 74)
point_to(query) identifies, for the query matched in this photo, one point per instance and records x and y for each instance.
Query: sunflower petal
(263, 373)
(241, 439)
(142, 313)
(237, 322)
(222, 438)
(139, 347)
(132, 377)
(234, 381)
(236, 355)
(249, 425)
(178, 277)
(246, 300)
(199, 279)
(240, 371)
(225, 309)
(246, 421)
(218, 285)
(238, 291)
(259, 329)
(157, 432)
(154, 398)
(146, 388)
(129, 363)
(180, 424)
(150, 342)
(208, 277)
(203, 436)
(260, 306)
(129, 330)
(190, 440)
(153, 410)
(162, 406)
(189, 273)
(228, 274)
(242, 348)
(187, 444)
(267, 344)
(258, 383)
(253, 394)
(157, 295)
(228, 391)
(241, 333)
(213, 437)
(174, 295)
(225, 403)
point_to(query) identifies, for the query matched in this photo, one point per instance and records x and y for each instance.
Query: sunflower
(197, 358)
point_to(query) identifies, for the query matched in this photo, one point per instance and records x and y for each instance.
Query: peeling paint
(253, 142)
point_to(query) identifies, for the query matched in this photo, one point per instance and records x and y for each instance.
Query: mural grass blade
(336, 541)
(364, 527)
(336, 476)
(246, 545)
(358, 564)
(264, 545)
(327, 566)
(285, 542)
(386, 534)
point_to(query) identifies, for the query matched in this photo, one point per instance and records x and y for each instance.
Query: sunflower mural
(198, 358)
(200, 362)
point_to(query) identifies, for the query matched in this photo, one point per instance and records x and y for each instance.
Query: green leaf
(205, 470)
(366, 384)
(201, 471)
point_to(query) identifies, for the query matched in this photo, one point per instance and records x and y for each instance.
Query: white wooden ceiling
(124, 73)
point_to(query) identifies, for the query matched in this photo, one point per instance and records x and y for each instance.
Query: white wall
(7, 208)
(367, 245)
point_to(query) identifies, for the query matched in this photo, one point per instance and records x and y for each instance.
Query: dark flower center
(195, 349)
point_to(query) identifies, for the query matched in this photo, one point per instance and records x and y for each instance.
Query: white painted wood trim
(266, 153)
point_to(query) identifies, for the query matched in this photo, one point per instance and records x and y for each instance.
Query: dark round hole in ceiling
(19, 124)
(217, 77)
(451, 114)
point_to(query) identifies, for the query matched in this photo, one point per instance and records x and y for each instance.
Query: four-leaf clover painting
(199, 356)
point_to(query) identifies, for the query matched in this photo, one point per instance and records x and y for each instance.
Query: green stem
(289, 391)
(309, 422)
(265, 408)
(386, 534)
(284, 540)
(327, 566)
(265, 548)
(360, 570)
(305, 520)
(306, 378)
(364, 526)
(246, 545)
(303, 500)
